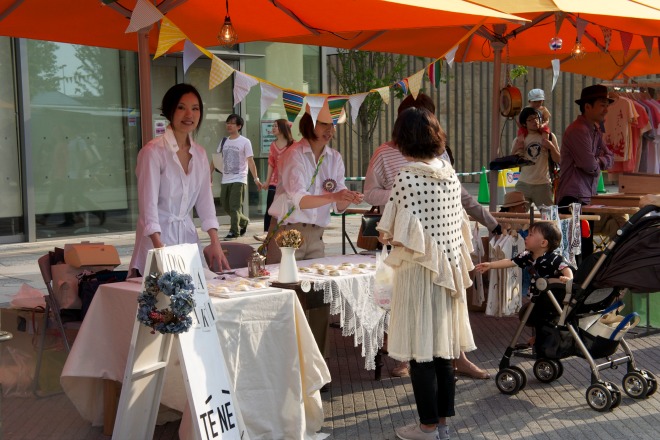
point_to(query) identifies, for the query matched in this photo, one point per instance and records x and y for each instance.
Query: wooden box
(635, 183)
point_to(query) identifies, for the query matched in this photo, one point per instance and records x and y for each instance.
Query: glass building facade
(70, 129)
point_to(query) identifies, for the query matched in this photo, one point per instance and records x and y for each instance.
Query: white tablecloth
(351, 297)
(269, 348)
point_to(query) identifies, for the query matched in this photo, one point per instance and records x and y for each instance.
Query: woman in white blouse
(173, 177)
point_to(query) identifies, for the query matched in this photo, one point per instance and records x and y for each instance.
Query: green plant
(517, 72)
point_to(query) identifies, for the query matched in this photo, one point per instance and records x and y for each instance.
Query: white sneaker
(414, 432)
(443, 432)
(260, 237)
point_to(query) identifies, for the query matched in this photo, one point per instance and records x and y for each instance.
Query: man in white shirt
(237, 157)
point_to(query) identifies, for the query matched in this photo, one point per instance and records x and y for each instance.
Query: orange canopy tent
(103, 23)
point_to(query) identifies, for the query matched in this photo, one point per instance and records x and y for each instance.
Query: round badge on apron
(329, 185)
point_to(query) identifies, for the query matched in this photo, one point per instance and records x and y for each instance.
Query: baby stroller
(570, 320)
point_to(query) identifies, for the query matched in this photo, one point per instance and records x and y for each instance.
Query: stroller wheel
(653, 382)
(616, 393)
(508, 381)
(560, 368)
(546, 370)
(599, 397)
(523, 376)
(635, 385)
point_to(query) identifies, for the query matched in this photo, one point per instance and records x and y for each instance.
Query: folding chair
(52, 314)
(237, 253)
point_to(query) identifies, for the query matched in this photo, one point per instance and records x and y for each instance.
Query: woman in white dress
(173, 177)
(429, 230)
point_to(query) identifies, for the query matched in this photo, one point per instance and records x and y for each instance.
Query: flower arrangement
(290, 238)
(173, 319)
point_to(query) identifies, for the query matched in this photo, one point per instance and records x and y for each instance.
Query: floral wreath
(173, 319)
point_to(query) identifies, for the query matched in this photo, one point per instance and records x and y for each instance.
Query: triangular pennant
(580, 26)
(555, 72)
(336, 105)
(384, 93)
(169, 35)
(434, 71)
(315, 103)
(626, 40)
(269, 94)
(449, 56)
(607, 37)
(220, 71)
(293, 102)
(356, 102)
(144, 14)
(242, 85)
(559, 18)
(190, 53)
(648, 42)
(403, 85)
(415, 83)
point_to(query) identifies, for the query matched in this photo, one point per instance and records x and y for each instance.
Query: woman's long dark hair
(283, 127)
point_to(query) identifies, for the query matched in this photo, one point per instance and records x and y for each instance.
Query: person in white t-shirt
(238, 157)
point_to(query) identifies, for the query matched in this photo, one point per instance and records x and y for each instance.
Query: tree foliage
(360, 72)
(44, 73)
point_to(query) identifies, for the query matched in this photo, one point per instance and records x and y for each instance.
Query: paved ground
(358, 407)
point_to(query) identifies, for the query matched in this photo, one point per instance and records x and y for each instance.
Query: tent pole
(495, 121)
(144, 72)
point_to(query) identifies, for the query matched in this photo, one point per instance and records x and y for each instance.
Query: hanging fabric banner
(169, 35)
(293, 102)
(607, 37)
(336, 105)
(403, 85)
(415, 83)
(242, 85)
(269, 94)
(315, 103)
(144, 14)
(626, 39)
(356, 102)
(384, 93)
(434, 72)
(190, 53)
(555, 72)
(449, 56)
(220, 71)
(559, 18)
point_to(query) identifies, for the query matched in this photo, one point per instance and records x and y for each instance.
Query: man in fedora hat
(584, 154)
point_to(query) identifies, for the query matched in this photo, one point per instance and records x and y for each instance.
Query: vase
(288, 267)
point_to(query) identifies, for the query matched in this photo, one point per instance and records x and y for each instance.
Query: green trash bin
(647, 306)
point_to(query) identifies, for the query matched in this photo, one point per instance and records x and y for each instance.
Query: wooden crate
(635, 183)
(616, 199)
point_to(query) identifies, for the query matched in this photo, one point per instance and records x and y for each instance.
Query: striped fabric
(336, 104)
(292, 104)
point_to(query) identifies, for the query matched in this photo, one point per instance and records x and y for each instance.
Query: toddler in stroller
(585, 322)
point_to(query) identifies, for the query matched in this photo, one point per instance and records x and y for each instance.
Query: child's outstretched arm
(566, 274)
(499, 264)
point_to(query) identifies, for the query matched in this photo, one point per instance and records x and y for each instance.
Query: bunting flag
(415, 83)
(220, 71)
(336, 105)
(607, 37)
(559, 19)
(356, 102)
(449, 56)
(293, 102)
(269, 94)
(315, 103)
(434, 71)
(626, 39)
(190, 53)
(242, 85)
(648, 42)
(144, 14)
(580, 26)
(384, 93)
(403, 85)
(169, 35)
(555, 72)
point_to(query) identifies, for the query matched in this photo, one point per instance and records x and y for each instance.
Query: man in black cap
(584, 154)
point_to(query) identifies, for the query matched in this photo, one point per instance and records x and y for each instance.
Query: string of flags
(145, 14)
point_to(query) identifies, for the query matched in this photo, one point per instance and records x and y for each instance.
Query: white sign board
(210, 393)
(267, 136)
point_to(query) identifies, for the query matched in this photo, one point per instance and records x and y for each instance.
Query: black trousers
(269, 201)
(434, 388)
